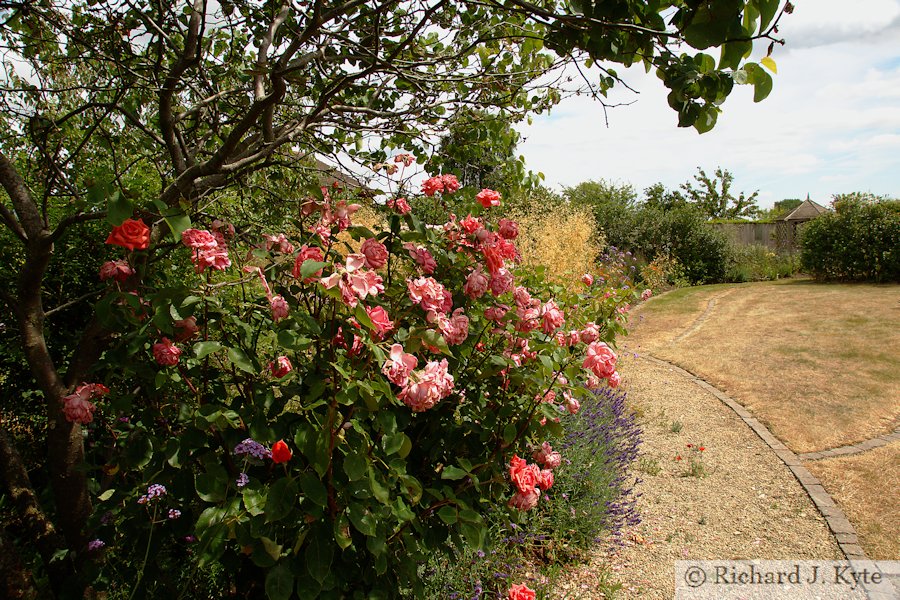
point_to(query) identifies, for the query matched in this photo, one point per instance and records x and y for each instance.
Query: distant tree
(658, 196)
(613, 205)
(713, 196)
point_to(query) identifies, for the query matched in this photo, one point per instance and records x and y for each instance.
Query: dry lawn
(819, 364)
(867, 486)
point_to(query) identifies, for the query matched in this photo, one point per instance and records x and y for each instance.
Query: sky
(831, 124)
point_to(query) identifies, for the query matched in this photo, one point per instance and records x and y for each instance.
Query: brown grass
(817, 363)
(867, 487)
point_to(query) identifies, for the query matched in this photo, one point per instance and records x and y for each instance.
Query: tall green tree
(156, 110)
(714, 197)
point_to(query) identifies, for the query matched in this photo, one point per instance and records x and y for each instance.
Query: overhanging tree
(115, 109)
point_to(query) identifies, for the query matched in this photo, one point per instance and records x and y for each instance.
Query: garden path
(748, 503)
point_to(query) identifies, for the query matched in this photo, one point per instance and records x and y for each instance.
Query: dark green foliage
(860, 240)
(714, 198)
(614, 207)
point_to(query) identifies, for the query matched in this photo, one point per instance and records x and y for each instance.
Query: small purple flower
(190, 539)
(242, 480)
(106, 518)
(155, 490)
(174, 513)
(95, 545)
(253, 448)
(124, 419)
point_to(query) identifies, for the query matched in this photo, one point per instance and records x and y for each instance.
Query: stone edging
(863, 446)
(840, 527)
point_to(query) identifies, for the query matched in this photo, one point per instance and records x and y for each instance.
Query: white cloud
(831, 124)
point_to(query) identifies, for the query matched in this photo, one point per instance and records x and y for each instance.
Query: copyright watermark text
(787, 579)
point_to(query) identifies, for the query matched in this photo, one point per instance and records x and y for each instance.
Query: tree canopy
(713, 196)
(158, 110)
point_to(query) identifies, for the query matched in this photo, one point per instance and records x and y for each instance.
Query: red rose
(281, 453)
(131, 234)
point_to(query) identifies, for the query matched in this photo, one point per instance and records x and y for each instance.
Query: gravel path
(746, 504)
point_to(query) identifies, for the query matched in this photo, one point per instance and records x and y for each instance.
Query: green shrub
(756, 262)
(859, 241)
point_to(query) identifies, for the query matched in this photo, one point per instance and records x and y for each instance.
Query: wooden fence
(780, 236)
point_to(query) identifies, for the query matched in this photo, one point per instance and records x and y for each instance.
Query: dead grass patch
(867, 488)
(817, 363)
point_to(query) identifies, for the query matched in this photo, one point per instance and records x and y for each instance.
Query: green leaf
(176, 218)
(281, 499)
(381, 493)
(761, 81)
(448, 515)
(106, 495)
(279, 582)
(474, 534)
(293, 340)
(733, 53)
(342, 532)
(355, 466)
(309, 268)
(509, 433)
(453, 473)
(436, 340)
(393, 443)
(767, 10)
(139, 450)
(363, 317)
(319, 553)
(272, 548)
(361, 519)
(240, 359)
(204, 349)
(254, 500)
(211, 485)
(314, 489)
(118, 208)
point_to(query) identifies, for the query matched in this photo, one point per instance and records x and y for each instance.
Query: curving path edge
(840, 526)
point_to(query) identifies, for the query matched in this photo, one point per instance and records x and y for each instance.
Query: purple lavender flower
(174, 513)
(95, 545)
(253, 448)
(155, 491)
(242, 480)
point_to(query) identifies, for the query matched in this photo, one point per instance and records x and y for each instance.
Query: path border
(840, 526)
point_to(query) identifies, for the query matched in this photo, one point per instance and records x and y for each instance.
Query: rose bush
(323, 422)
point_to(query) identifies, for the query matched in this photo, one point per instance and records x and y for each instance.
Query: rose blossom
(507, 229)
(375, 252)
(601, 360)
(455, 329)
(380, 320)
(427, 387)
(429, 294)
(590, 333)
(501, 282)
(280, 367)
(471, 224)
(547, 456)
(119, 270)
(280, 452)
(552, 317)
(572, 405)
(185, 329)
(496, 313)
(476, 285)
(645, 295)
(614, 380)
(166, 353)
(422, 257)
(525, 500)
(78, 407)
(198, 239)
(400, 205)
(522, 296)
(131, 234)
(520, 591)
(313, 253)
(587, 279)
(451, 184)
(488, 198)
(432, 185)
(279, 307)
(280, 242)
(399, 366)
(523, 475)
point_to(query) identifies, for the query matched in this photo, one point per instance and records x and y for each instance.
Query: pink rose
(380, 320)
(429, 294)
(476, 285)
(313, 253)
(525, 501)
(400, 205)
(601, 360)
(573, 405)
(422, 257)
(496, 313)
(427, 387)
(590, 333)
(501, 282)
(185, 329)
(119, 270)
(432, 185)
(406, 159)
(552, 317)
(587, 279)
(614, 380)
(280, 242)
(547, 456)
(78, 407)
(522, 297)
(280, 367)
(645, 295)
(455, 329)
(399, 366)
(451, 184)
(198, 239)
(279, 306)
(521, 591)
(488, 198)
(508, 230)
(523, 475)
(545, 479)
(166, 353)
(365, 283)
(470, 224)
(375, 252)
